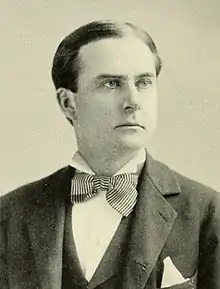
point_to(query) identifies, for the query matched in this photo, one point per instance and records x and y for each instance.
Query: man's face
(116, 102)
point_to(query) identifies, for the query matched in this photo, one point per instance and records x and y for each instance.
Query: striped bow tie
(121, 190)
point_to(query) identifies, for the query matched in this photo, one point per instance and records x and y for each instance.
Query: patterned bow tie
(121, 190)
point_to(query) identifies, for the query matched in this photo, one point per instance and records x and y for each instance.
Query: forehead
(126, 56)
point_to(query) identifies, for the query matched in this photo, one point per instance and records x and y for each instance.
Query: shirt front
(95, 222)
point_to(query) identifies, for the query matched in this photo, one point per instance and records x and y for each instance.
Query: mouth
(130, 125)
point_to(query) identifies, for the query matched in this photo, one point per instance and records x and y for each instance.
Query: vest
(72, 275)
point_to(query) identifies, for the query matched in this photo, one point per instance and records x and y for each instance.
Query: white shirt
(95, 221)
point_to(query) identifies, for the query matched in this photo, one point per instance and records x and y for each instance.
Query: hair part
(66, 62)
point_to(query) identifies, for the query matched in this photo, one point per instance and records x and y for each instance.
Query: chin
(134, 142)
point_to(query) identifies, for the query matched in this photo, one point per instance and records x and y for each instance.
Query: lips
(129, 124)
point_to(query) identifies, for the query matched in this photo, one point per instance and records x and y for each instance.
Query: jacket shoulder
(22, 197)
(169, 178)
(193, 187)
(193, 194)
(190, 192)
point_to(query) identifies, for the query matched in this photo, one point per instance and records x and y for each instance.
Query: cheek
(104, 116)
(149, 103)
(149, 110)
(97, 111)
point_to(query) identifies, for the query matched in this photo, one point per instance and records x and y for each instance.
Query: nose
(131, 100)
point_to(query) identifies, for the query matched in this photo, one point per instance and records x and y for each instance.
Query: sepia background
(35, 137)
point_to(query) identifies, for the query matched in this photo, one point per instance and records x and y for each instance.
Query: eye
(143, 83)
(111, 84)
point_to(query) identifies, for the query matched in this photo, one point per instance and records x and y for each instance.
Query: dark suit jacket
(174, 217)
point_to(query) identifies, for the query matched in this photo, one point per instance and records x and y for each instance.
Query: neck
(106, 162)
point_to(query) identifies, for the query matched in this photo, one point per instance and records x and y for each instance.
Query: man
(114, 217)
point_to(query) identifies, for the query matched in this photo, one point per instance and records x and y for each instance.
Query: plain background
(35, 137)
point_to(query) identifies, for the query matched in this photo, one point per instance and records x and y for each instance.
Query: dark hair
(66, 62)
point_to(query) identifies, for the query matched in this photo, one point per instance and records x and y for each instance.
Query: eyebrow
(146, 74)
(119, 76)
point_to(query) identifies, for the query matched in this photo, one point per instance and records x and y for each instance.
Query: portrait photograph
(110, 144)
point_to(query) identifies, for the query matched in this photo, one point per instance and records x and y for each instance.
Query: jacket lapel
(134, 250)
(153, 221)
(46, 227)
(112, 261)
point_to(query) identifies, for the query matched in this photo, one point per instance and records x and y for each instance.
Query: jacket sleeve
(3, 247)
(209, 249)
(3, 258)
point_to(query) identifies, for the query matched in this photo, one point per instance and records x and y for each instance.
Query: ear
(66, 100)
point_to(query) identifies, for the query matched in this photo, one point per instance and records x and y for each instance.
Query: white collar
(133, 166)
